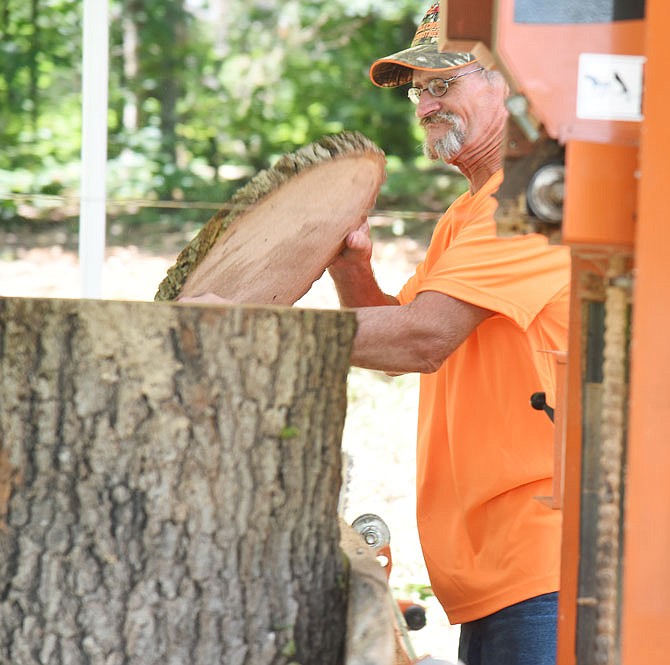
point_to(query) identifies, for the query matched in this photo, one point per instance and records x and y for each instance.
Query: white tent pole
(94, 146)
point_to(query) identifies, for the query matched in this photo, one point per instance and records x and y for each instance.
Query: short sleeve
(515, 277)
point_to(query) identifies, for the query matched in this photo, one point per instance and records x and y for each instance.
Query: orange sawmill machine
(587, 148)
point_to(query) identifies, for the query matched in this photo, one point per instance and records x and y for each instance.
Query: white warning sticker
(609, 87)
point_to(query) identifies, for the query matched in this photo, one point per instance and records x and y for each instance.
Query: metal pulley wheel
(546, 191)
(373, 529)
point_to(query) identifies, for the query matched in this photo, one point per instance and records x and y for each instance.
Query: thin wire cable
(62, 201)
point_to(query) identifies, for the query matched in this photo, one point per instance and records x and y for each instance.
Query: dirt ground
(381, 418)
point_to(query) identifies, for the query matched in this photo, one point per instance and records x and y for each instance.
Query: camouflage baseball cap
(423, 54)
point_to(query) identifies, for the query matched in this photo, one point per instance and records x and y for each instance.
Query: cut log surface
(169, 478)
(281, 231)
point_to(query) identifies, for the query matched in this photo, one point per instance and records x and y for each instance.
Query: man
(474, 320)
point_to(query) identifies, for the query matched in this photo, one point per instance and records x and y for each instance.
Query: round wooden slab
(285, 227)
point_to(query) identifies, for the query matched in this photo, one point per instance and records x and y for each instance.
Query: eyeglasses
(436, 87)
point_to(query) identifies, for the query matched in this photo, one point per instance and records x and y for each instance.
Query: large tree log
(169, 478)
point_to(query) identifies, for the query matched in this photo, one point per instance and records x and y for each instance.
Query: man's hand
(357, 248)
(352, 273)
(205, 299)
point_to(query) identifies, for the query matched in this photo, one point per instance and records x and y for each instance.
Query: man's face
(466, 117)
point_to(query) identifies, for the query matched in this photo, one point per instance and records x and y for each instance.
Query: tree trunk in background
(169, 89)
(33, 64)
(169, 478)
(129, 48)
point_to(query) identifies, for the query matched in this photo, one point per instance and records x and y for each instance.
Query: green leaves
(202, 89)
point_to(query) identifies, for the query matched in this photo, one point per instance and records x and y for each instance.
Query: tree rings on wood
(279, 232)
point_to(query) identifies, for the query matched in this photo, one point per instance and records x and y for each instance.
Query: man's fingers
(359, 238)
(357, 249)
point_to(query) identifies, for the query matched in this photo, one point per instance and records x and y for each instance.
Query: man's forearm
(416, 337)
(357, 287)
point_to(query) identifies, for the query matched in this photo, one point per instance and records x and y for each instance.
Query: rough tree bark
(169, 478)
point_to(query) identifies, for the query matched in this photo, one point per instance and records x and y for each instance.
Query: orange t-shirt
(483, 453)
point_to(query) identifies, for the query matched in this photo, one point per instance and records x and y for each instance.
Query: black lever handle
(539, 402)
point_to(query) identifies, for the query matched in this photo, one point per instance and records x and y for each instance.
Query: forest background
(202, 95)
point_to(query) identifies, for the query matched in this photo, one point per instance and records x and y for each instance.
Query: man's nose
(428, 104)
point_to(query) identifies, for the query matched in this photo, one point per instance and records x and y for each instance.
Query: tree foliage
(204, 93)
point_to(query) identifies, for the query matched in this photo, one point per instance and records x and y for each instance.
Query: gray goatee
(448, 146)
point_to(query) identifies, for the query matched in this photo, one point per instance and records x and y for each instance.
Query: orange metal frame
(614, 203)
(646, 588)
(541, 61)
(616, 181)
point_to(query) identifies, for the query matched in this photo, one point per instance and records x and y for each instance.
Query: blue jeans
(522, 634)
